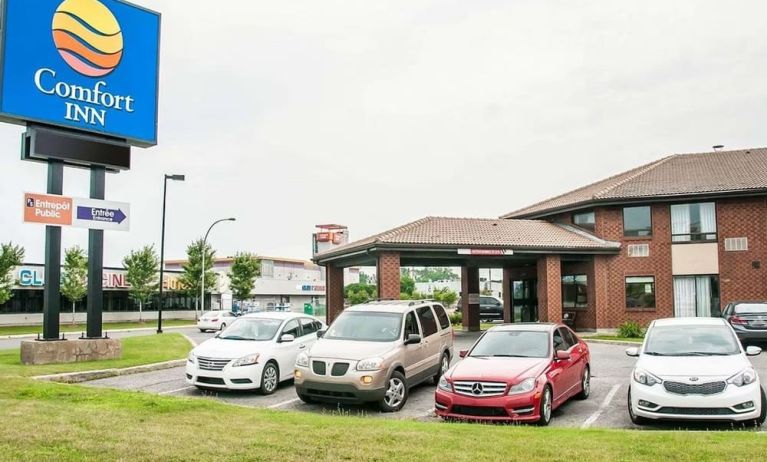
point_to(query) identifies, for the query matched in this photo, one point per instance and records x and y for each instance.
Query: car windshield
(751, 308)
(256, 329)
(365, 327)
(691, 341)
(512, 344)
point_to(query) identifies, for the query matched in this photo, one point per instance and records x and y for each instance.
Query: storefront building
(681, 236)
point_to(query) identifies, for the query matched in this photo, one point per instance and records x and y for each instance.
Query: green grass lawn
(614, 337)
(34, 329)
(139, 350)
(47, 421)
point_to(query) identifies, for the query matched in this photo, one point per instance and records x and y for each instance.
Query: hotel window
(637, 221)
(640, 292)
(574, 292)
(585, 220)
(696, 296)
(693, 222)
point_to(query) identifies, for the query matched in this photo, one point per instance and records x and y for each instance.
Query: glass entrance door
(524, 300)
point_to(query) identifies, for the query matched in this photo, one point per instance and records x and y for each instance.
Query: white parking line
(284, 403)
(175, 391)
(593, 417)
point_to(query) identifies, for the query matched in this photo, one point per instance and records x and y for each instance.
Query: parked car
(516, 372)
(376, 352)
(748, 320)
(215, 320)
(490, 308)
(694, 369)
(256, 352)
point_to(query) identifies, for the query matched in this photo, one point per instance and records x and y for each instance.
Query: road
(605, 408)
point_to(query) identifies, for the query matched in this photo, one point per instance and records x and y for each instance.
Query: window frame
(298, 327)
(591, 228)
(701, 235)
(623, 215)
(421, 321)
(626, 295)
(417, 324)
(575, 304)
(437, 310)
(308, 321)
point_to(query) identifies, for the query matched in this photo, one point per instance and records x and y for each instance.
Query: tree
(406, 284)
(246, 267)
(190, 279)
(365, 279)
(445, 296)
(360, 293)
(142, 268)
(74, 282)
(435, 274)
(11, 256)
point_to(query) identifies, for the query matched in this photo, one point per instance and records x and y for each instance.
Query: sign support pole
(96, 261)
(52, 290)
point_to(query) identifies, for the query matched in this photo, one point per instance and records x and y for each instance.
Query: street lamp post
(162, 245)
(202, 273)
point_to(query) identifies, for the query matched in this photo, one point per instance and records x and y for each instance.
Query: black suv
(490, 308)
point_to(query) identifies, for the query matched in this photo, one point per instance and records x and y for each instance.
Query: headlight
(524, 386)
(743, 378)
(444, 384)
(302, 360)
(192, 357)
(246, 360)
(370, 364)
(645, 378)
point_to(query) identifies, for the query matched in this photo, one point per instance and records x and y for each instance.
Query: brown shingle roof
(676, 175)
(479, 233)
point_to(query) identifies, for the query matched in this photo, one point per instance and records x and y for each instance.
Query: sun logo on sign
(88, 37)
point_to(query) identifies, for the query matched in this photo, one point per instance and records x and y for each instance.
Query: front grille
(339, 369)
(319, 367)
(695, 411)
(480, 388)
(709, 388)
(480, 411)
(211, 380)
(212, 364)
(330, 394)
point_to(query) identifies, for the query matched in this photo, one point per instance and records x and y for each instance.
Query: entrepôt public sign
(90, 65)
(55, 210)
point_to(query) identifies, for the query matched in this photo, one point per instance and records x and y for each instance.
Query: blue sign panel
(90, 65)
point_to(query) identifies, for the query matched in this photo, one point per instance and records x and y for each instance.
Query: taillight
(738, 320)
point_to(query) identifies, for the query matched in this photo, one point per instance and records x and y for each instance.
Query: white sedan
(255, 351)
(215, 320)
(694, 369)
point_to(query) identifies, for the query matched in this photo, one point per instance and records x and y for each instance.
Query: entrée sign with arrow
(77, 212)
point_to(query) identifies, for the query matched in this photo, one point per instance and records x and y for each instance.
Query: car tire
(585, 383)
(635, 419)
(270, 378)
(444, 365)
(305, 398)
(763, 415)
(545, 407)
(396, 393)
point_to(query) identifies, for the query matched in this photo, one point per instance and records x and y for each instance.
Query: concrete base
(70, 351)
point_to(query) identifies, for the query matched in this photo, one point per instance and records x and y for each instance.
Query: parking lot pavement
(605, 408)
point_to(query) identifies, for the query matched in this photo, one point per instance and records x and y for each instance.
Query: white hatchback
(694, 369)
(256, 351)
(215, 320)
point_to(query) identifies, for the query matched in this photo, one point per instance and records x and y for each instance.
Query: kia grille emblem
(476, 388)
(693, 379)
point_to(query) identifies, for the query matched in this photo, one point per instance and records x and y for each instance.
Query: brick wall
(388, 272)
(335, 292)
(549, 288)
(738, 279)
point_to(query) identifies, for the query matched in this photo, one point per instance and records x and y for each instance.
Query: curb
(138, 329)
(86, 376)
(612, 342)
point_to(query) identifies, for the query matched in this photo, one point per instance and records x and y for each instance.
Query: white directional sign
(55, 210)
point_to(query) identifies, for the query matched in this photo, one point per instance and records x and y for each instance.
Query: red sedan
(516, 372)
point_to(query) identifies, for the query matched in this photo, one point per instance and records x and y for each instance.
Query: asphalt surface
(606, 407)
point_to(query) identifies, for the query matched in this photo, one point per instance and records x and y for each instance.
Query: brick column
(507, 291)
(470, 286)
(549, 288)
(388, 275)
(599, 282)
(334, 292)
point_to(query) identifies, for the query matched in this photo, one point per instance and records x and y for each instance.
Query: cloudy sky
(290, 113)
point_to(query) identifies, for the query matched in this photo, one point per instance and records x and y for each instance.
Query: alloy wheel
(270, 378)
(445, 364)
(395, 393)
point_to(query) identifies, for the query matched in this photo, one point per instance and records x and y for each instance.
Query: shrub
(456, 317)
(630, 329)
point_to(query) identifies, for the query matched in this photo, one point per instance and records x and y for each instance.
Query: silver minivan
(376, 352)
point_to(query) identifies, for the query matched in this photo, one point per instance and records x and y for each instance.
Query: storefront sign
(55, 210)
(35, 277)
(485, 252)
(90, 65)
(310, 288)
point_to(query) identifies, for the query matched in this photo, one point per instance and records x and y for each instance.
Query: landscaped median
(6, 331)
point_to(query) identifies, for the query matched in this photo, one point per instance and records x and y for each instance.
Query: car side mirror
(633, 351)
(413, 339)
(287, 338)
(320, 333)
(563, 355)
(753, 351)
(463, 353)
